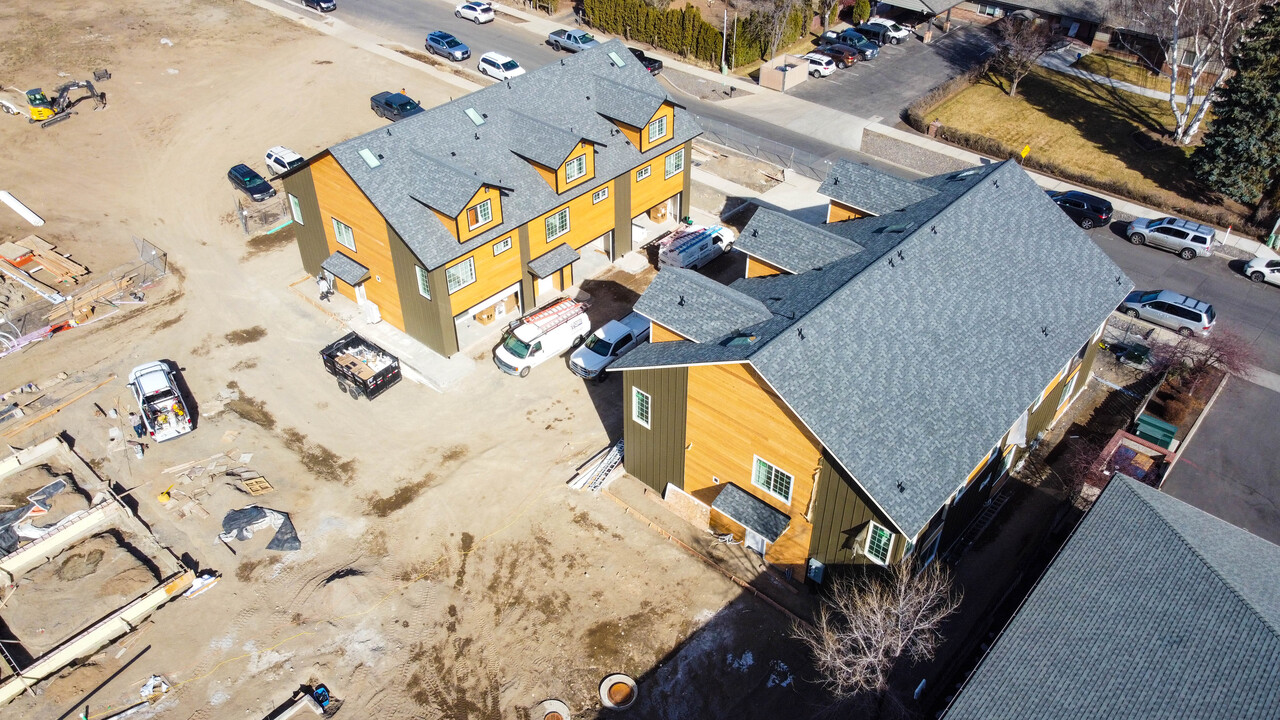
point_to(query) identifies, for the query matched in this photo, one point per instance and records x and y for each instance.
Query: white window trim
(552, 216)
(866, 549)
(337, 234)
(600, 195)
(481, 221)
(791, 486)
(424, 285)
(295, 208)
(581, 161)
(679, 167)
(648, 403)
(468, 262)
(654, 122)
(644, 172)
(502, 246)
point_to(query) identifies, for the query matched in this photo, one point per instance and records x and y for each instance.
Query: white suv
(896, 32)
(499, 67)
(820, 65)
(281, 159)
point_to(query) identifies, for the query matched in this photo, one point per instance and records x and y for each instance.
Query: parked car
(1188, 239)
(1263, 270)
(820, 65)
(897, 33)
(253, 184)
(843, 55)
(695, 246)
(1186, 315)
(877, 34)
(447, 46)
(1089, 211)
(281, 159)
(542, 335)
(610, 342)
(571, 40)
(853, 39)
(394, 106)
(321, 5)
(653, 65)
(476, 12)
(155, 388)
(499, 67)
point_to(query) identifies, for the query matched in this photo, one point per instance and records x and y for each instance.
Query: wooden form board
(65, 269)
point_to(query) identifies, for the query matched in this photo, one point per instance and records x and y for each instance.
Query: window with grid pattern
(772, 480)
(480, 215)
(557, 224)
(342, 233)
(675, 162)
(643, 172)
(502, 246)
(879, 543)
(599, 195)
(658, 129)
(424, 287)
(575, 168)
(640, 406)
(461, 275)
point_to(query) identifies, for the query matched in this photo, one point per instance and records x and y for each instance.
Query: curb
(1194, 427)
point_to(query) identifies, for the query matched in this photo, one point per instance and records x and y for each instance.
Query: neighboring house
(861, 394)
(1152, 610)
(476, 210)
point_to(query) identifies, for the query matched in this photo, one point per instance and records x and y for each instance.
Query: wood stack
(81, 307)
(42, 256)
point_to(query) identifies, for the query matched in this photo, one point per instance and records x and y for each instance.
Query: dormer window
(480, 215)
(575, 168)
(658, 128)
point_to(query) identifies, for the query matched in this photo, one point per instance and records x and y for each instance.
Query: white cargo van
(542, 334)
(694, 246)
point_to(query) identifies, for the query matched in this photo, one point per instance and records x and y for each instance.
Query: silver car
(1166, 308)
(1188, 239)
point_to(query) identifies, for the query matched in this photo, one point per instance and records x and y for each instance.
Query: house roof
(911, 358)
(863, 187)
(439, 158)
(1152, 610)
(751, 512)
(698, 307)
(554, 259)
(1076, 9)
(928, 7)
(793, 245)
(345, 269)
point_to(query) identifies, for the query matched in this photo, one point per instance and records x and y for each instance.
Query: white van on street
(541, 335)
(694, 246)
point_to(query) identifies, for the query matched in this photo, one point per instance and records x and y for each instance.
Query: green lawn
(1077, 124)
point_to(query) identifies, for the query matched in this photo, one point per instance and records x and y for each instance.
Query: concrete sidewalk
(1061, 61)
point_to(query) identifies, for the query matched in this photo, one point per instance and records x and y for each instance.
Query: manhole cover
(618, 691)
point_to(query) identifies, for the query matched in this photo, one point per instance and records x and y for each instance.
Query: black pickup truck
(653, 65)
(362, 368)
(394, 106)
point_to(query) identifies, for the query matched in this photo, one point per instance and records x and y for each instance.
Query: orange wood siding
(465, 231)
(339, 197)
(583, 148)
(760, 268)
(654, 189)
(450, 224)
(587, 221)
(669, 112)
(629, 132)
(837, 211)
(733, 416)
(661, 334)
(547, 174)
(493, 273)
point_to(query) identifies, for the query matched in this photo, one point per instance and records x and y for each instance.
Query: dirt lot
(445, 570)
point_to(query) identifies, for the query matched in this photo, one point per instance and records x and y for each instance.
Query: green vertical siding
(655, 454)
(840, 512)
(312, 244)
(622, 214)
(528, 288)
(427, 321)
(686, 197)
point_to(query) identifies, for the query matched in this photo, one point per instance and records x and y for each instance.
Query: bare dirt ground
(445, 570)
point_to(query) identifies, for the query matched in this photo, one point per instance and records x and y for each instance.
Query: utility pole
(724, 39)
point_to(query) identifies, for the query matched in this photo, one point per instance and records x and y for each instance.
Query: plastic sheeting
(39, 504)
(243, 523)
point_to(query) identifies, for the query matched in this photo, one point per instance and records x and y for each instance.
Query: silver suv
(1188, 239)
(1186, 315)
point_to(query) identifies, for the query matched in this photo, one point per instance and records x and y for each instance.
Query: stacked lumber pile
(33, 253)
(81, 307)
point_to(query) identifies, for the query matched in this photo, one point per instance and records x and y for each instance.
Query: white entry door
(755, 541)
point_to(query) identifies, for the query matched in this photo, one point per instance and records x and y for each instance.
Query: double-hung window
(461, 275)
(424, 287)
(342, 233)
(658, 129)
(557, 224)
(675, 162)
(772, 480)
(502, 246)
(640, 406)
(480, 215)
(599, 195)
(879, 543)
(575, 168)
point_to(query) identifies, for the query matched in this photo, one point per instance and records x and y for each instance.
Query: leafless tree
(769, 24)
(870, 622)
(1202, 33)
(1190, 358)
(1022, 42)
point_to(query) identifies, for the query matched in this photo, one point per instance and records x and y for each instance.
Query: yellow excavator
(48, 111)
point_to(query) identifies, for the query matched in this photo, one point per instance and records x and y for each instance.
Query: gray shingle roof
(698, 307)
(928, 7)
(554, 259)
(1152, 610)
(911, 359)
(868, 189)
(791, 244)
(751, 512)
(435, 158)
(345, 269)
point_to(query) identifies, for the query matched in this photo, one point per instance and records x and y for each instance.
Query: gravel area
(908, 155)
(697, 87)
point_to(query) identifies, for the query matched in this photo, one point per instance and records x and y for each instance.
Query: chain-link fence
(256, 218)
(770, 151)
(124, 285)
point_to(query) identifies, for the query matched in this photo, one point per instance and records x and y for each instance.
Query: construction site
(423, 554)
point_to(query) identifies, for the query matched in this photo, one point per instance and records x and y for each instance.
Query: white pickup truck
(541, 335)
(164, 414)
(613, 340)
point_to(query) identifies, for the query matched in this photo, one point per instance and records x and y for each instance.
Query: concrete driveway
(884, 87)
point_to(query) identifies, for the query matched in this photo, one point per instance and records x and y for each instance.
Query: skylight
(616, 60)
(475, 116)
(369, 158)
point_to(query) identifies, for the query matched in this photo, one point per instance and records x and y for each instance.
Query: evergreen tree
(1240, 157)
(861, 11)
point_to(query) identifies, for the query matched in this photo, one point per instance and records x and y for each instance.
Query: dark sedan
(1088, 211)
(245, 178)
